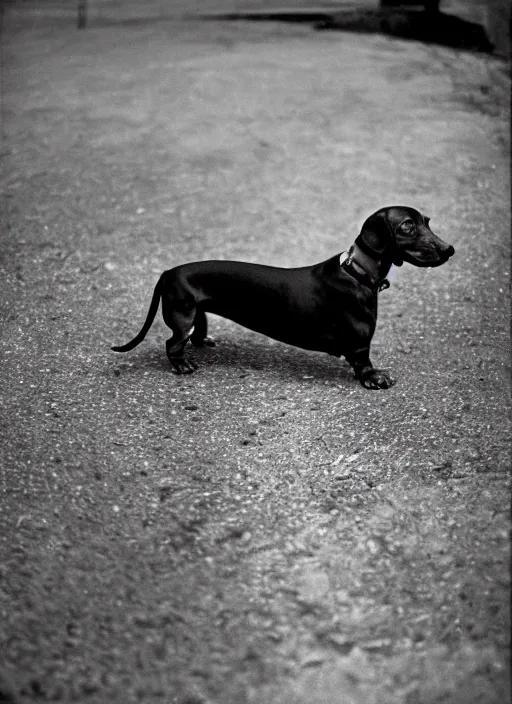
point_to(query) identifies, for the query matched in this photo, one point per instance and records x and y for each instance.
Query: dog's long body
(328, 307)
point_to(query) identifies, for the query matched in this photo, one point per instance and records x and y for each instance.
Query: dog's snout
(449, 251)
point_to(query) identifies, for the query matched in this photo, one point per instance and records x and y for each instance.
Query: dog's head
(403, 234)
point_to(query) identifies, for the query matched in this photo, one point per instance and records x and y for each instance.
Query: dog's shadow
(251, 356)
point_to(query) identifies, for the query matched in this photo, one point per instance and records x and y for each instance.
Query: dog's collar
(355, 269)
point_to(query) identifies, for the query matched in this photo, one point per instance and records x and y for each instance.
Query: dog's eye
(407, 227)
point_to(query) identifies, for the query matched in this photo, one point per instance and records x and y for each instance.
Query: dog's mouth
(431, 260)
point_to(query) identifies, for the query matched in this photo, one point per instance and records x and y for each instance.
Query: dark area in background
(432, 27)
(410, 23)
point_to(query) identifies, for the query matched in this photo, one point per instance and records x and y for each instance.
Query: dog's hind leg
(180, 364)
(200, 337)
(181, 323)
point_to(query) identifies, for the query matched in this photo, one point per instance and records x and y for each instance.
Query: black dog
(329, 307)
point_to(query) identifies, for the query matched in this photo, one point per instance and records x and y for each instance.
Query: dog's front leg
(369, 377)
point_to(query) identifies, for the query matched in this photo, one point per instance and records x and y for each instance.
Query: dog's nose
(449, 252)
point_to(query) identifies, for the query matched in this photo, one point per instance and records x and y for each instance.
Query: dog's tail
(153, 309)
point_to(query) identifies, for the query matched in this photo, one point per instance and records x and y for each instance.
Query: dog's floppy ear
(377, 236)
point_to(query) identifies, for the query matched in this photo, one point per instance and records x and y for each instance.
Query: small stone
(315, 657)
(341, 643)
(342, 477)
(378, 644)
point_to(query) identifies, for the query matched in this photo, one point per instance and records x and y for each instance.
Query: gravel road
(265, 531)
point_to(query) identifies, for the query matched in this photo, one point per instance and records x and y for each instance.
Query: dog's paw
(206, 341)
(377, 379)
(182, 365)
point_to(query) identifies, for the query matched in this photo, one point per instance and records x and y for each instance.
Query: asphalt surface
(265, 530)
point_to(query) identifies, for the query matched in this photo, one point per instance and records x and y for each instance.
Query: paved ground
(266, 531)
